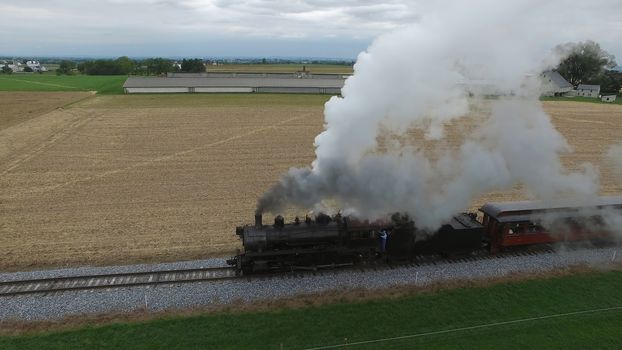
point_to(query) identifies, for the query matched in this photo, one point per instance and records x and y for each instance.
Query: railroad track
(130, 279)
(115, 280)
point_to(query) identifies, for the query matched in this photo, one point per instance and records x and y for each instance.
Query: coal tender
(325, 242)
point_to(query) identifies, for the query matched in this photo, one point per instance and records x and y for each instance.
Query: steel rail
(114, 280)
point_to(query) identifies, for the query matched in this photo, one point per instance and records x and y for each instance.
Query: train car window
(596, 222)
(511, 229)
(516, 229)
(534, 228)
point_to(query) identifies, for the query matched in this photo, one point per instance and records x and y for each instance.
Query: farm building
(296, 75)
(36, 66)
(608, 98)
(588, 90)
(553, 84)
(237, 83)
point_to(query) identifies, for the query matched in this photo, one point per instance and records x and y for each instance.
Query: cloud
(167, 27)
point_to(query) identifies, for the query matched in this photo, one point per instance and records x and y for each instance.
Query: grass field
(581, 311)
(282, 68)
(113, 180)
(108, 84)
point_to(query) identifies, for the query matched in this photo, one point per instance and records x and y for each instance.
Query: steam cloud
(418, 80)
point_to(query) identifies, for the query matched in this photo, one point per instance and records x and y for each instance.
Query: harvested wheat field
(18, 107)
(113, 180)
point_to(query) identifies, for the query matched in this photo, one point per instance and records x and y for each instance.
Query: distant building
(588, 90)
(15, 66)
(36, 66)
(206, 82)
(553, 84)
(608, 98)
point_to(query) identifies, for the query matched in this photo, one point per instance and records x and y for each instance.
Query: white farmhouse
(36, 66)
(15, 66)
(585, 90)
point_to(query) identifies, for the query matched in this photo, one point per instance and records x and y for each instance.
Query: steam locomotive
(326, 241)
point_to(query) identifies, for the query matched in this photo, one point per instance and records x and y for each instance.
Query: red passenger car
(514, 224)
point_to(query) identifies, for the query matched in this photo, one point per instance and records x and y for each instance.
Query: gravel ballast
(188, 295)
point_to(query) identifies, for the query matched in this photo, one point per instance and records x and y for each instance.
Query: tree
(126, 65)
(6, 69)
(610, 82)
(192, 65)
(120, 66)
(65, 67)
(28, 69)
(585, 62)
(158, 65)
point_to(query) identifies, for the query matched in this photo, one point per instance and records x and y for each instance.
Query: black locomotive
(326, 241)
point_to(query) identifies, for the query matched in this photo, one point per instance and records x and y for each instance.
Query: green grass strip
(108, 84)
(573, 312)
(618, 100)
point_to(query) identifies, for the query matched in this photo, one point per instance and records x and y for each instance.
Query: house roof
(496, 209)
(557, 79)
(588, 87)
(133, 82)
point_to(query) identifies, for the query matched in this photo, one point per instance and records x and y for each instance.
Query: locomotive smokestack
(258, 220)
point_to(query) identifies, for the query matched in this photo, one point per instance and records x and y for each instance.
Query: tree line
(126, 66)
(583, 63)
(587, 63)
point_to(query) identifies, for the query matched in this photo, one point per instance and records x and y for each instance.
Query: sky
(251, 28)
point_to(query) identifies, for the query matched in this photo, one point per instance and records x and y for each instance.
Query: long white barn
(315, 85)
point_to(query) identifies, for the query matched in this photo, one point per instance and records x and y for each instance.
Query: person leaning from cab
(383, 236)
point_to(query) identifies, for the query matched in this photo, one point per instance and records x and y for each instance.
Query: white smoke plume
(418, 80)
(589, 217)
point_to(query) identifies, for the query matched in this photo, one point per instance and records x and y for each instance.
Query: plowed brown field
(111, 180)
